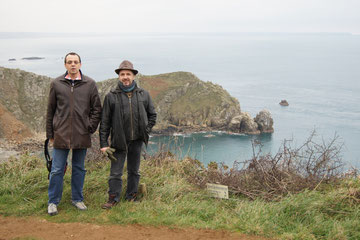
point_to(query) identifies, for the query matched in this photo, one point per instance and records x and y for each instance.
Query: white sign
(217, 190)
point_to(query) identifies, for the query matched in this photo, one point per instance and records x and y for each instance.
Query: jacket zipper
(131, 120)
(72, 110)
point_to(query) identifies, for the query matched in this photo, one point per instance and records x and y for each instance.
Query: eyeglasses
(71, 62)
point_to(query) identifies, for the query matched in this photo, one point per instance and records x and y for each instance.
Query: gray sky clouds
(180, 16)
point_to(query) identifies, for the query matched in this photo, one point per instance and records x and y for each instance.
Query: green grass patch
(327, 213)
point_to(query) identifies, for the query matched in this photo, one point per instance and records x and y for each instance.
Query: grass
(327, 213)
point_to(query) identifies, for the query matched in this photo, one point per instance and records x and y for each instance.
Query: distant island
(26, 58)
(32, 58)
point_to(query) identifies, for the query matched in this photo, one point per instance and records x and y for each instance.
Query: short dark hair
(72, 53)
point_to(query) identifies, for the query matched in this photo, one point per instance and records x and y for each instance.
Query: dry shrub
(290, 170)
(164, 159)
(353, 195)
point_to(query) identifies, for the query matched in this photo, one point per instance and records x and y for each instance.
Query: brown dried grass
(270, 177)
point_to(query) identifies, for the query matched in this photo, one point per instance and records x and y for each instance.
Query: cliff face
(11, 128)
(24, 94)
(183, 102)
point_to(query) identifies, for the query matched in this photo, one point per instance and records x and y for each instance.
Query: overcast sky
(140, 16)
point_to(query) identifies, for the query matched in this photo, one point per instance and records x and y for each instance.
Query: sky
(166, 16)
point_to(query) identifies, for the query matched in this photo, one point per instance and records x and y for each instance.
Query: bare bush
(290, 170)
(161, 158)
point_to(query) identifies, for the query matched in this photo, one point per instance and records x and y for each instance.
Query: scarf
(127, 88)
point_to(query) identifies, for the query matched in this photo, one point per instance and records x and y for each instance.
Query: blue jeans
(57, 174)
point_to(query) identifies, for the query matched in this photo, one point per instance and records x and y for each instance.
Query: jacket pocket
(81, 125)
(59, 122)
(62, 133)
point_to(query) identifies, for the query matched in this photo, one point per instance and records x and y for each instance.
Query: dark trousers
(133, 165)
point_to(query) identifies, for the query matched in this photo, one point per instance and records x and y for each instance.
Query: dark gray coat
(125, 118)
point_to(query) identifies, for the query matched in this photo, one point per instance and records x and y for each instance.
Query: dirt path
(36, 228)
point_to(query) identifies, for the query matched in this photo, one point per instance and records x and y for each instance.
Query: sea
(318, 74)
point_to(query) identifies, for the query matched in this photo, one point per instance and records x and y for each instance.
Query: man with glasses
(73, 114)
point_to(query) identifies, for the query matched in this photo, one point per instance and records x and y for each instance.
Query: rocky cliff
(24, 95)
(183, 102)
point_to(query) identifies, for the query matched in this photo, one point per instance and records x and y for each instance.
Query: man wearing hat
(128, 115)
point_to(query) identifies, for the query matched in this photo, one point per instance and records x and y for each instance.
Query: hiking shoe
(52, 209)
(132, 198)
(110, 203)
(79, 205)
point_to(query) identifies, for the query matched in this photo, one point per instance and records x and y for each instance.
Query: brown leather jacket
(73, 112)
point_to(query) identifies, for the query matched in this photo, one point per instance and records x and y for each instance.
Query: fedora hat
(126, 65)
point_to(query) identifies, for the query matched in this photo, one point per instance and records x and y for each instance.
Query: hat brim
(119, 69)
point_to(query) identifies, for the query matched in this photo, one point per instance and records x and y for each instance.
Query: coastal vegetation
(328, 207)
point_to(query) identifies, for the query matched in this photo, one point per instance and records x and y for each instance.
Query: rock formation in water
(183, 102)
(284, 103)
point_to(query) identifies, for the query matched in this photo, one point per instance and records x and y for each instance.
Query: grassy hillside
(330, 212)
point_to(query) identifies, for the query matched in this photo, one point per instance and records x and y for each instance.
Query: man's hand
(108, 152)
(51, 142)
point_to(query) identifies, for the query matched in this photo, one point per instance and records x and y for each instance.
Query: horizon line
(174, 33)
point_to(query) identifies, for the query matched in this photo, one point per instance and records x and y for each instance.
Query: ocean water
(318, 74)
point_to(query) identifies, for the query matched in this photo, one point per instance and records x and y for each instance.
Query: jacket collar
(83, 78)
